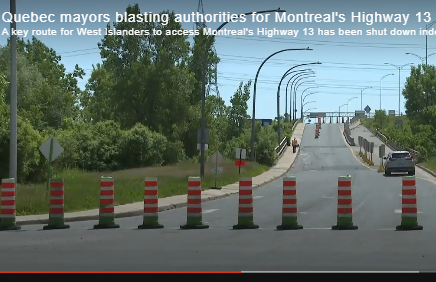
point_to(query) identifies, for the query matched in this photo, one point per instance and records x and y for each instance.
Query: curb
(426, 170)
(140, 212)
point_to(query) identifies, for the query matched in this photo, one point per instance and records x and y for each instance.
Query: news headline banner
(368, 19)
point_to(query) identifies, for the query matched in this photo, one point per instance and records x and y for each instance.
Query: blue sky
(349, 63)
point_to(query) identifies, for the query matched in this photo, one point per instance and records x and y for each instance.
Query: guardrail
(280, 149)
(398, 147)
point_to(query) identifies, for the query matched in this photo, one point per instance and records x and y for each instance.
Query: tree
(237, 114)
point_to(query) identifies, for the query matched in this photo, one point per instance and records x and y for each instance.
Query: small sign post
(241, 155)
(217, 159)
(51, 149)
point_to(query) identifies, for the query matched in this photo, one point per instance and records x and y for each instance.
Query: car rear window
(400, 155)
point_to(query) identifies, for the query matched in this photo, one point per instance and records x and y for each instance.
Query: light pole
(307, 95)
(427, 26)
(423, 59)
(296, 86)
(340, 110)
(13, 149)
(311, 109)
(361, 97)
(302, 99)
(348, 102)
(287, 85)
(399, 82)
(203, 87)
(383, 77)
(291, 93)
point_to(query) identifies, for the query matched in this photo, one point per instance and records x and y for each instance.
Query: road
(375, 246)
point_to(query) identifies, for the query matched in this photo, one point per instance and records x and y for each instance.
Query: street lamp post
(340, 110)
(287, 85)
(399, 82)
(311, 109)
(423, 59)
(348, 102)
(13, 148)
(294, 79)
(296, 86)
(302, 99)
(307, 95)
(203, 87)
(361, 97)
(383, 77)
(426, 40)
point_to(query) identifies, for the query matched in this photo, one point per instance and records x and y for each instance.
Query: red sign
(240, 162)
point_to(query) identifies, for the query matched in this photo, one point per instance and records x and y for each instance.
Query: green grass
(430, 164)
(82, 188)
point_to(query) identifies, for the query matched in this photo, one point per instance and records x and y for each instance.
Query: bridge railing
(398, 147)
(281, 148)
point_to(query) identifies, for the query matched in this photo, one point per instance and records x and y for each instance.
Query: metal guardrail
(283, 144)
(395, 146)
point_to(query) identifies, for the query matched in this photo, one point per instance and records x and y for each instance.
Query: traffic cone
(345, 205)
(194, 209)
(289, 209)
(8, 213)
(151, 205)
(56, 217)
(409, 212)
(107, 200)
(245, 207)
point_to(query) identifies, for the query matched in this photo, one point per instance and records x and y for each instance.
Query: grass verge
(82, 188)
(430, 164)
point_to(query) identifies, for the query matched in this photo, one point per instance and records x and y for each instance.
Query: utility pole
(13, 96)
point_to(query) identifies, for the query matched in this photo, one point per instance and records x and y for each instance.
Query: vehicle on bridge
(399, 161)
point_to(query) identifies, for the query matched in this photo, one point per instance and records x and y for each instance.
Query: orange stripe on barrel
(150, 192)
(245, 201)
(408, 201)
(8, 203)
(8, 211)
(245, 210)
(246, 192)
(345, 201)
(56, 202)
(246, 183)
(194, 201)
(194, 183)
(344, 192)
(290, 210)
(289, 201)
(409, 210)
(56, 184)
(345, 210)
(344, 183)
(150, 183)
(194, 192)
(57, 193)
(107, 201)
(8, 185)
(289, 192)
(107, 193)
(57, 211)
(106, 184)
(409, 192)
(289, 183)
(150, 201)
(8, 194)
(409, 182)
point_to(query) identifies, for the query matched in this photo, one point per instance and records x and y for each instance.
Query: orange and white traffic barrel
(106, 218)
(345, 205)
(289, 207)
(245, 205)
(56, 217)
(194, 217)
(151, 205)
(409, 211)
(8, 212)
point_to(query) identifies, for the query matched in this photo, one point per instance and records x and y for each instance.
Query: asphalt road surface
(374, 247)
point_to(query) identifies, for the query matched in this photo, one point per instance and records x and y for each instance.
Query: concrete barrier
(347, 134)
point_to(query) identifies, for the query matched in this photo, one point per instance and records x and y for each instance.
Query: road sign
(217, 169)
(359, 114)
(316, 115)
(381, 151)
(206, 146)
(391, 113)
(367, 109)
(216, 158)
(267, 122)
(51, 149)
(241, 154)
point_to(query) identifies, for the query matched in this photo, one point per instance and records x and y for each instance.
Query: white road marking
(313, 170)
(401, 195)
(400, 211)
(355, 209)
(318, 228)
(257, 197)
(210, 211)
(302, 212)
(325, 197)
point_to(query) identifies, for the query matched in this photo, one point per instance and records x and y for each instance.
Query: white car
(399, 161)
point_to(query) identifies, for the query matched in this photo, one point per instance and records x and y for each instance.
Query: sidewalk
(135, 209)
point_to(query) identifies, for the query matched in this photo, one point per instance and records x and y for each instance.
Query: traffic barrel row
(409, 215)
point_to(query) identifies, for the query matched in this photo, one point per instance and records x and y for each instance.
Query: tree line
(141, 105)
(417, 132)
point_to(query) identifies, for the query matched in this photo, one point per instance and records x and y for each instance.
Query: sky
(350, 63)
